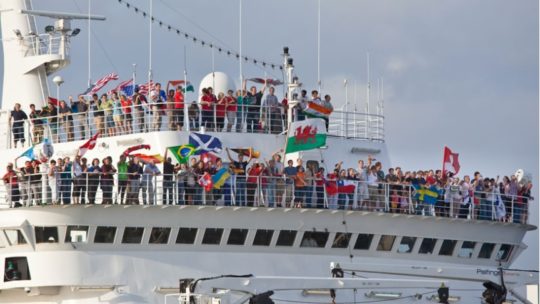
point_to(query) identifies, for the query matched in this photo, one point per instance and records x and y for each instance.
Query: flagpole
(186, 118)
(286, 143)
(150, 46)
(89, 45)
(319, 46)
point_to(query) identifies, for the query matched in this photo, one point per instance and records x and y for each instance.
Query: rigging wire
(115, 69)
(356, 302)
(203, 43)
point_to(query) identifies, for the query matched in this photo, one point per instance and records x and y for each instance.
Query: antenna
(368, 85)
(150, 45)
(319, 46)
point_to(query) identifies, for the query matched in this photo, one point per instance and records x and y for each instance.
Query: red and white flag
(144, 89)
(450, 162)
(89, 145)
(53, 101)
(102, 82)
(121, 86)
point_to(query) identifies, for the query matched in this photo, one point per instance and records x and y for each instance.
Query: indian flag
(306, 135)
(316, 110)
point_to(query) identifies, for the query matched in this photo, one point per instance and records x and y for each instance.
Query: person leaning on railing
(220, 108)
(127, 112)
(97, 114)
(66, 119)
(11, 182)
(107, 180)
(93, 177)
(36, 123)
(80, 110)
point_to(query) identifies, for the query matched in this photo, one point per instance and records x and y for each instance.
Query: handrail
(262, 191)
(163, 117)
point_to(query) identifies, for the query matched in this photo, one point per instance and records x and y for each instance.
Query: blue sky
(457, 73)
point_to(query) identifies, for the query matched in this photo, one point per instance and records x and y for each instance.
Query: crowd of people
(115, 113)
(270, 183)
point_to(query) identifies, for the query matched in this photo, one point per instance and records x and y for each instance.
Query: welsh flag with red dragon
(306, 135)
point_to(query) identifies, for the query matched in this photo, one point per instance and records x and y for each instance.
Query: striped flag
(121, 86)
(102, 82)
(316, 110)
(144, 89)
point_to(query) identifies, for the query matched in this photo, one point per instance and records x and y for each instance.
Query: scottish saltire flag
(29, 153)
(220, 178)
(426, 195)
(205, 143)
(101, 83)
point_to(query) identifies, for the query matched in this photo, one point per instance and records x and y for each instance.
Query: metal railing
(186, 188)
(161, 117)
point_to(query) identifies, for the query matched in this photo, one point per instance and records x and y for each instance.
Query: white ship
(113, 253)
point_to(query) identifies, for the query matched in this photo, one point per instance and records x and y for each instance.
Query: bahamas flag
(182, 153)
(425, 194)
(220, 178)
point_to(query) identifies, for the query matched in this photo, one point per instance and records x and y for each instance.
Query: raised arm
(229, 155)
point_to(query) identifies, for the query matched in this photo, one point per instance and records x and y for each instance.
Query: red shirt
(231, 104)
(220, 108)
(253, 173)
(126, 105)
(209, 100)
(10, 176)
(178, 100)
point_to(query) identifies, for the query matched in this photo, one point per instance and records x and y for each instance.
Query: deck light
(75, 32)
(49, 29)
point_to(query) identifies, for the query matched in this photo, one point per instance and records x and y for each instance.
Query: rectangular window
(46, 234)
(286, 238)
(486, 250)
(314, 239)
(504, 252)
(406, 245)
(427, 246)
(466, 250)
(76, 234)
(212, 236)
(237, 237)
(105, 235)
(341, 240)
(386, 242)
(263, 237)
(447, 247)
(159, 235)
(132, 235)
(186, 236)
(363, 242)
(16, 269)
(14, 237)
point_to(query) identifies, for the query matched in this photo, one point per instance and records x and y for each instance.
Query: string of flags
(198, 41)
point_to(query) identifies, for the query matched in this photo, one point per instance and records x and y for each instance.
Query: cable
(361, 302)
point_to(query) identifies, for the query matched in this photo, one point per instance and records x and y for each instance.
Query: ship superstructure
(119, 253)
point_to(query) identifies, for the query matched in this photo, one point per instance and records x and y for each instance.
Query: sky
(458, 73)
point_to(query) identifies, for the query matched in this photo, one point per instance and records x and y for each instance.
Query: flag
(316, 110)
(89, 145)
(206, 157)
(268, 81)
(182, 153)
(450, 162)
(500, 208)
(206, 182)
(346, 186)
(29, 153)
(156, 158)
(128, 90)
(306, 135)
(46, 151)
(249, 152)
(187, 86)
(146, 87)
(53, 101)
(101, 83)
(220, 178)
(205, 143)
(121, 86)
(135, 148)
(425, 194)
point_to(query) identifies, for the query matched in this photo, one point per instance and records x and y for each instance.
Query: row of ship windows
(263, 237)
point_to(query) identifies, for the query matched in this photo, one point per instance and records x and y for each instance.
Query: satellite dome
(219, 81)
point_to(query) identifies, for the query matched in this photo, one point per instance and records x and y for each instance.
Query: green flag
(182, 153)
(306, 135)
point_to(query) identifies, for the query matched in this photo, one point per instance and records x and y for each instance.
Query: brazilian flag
(183, 152)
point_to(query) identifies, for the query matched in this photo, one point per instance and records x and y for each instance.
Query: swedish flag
(425, 194)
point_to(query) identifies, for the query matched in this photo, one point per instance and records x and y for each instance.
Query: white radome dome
(217, 80)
